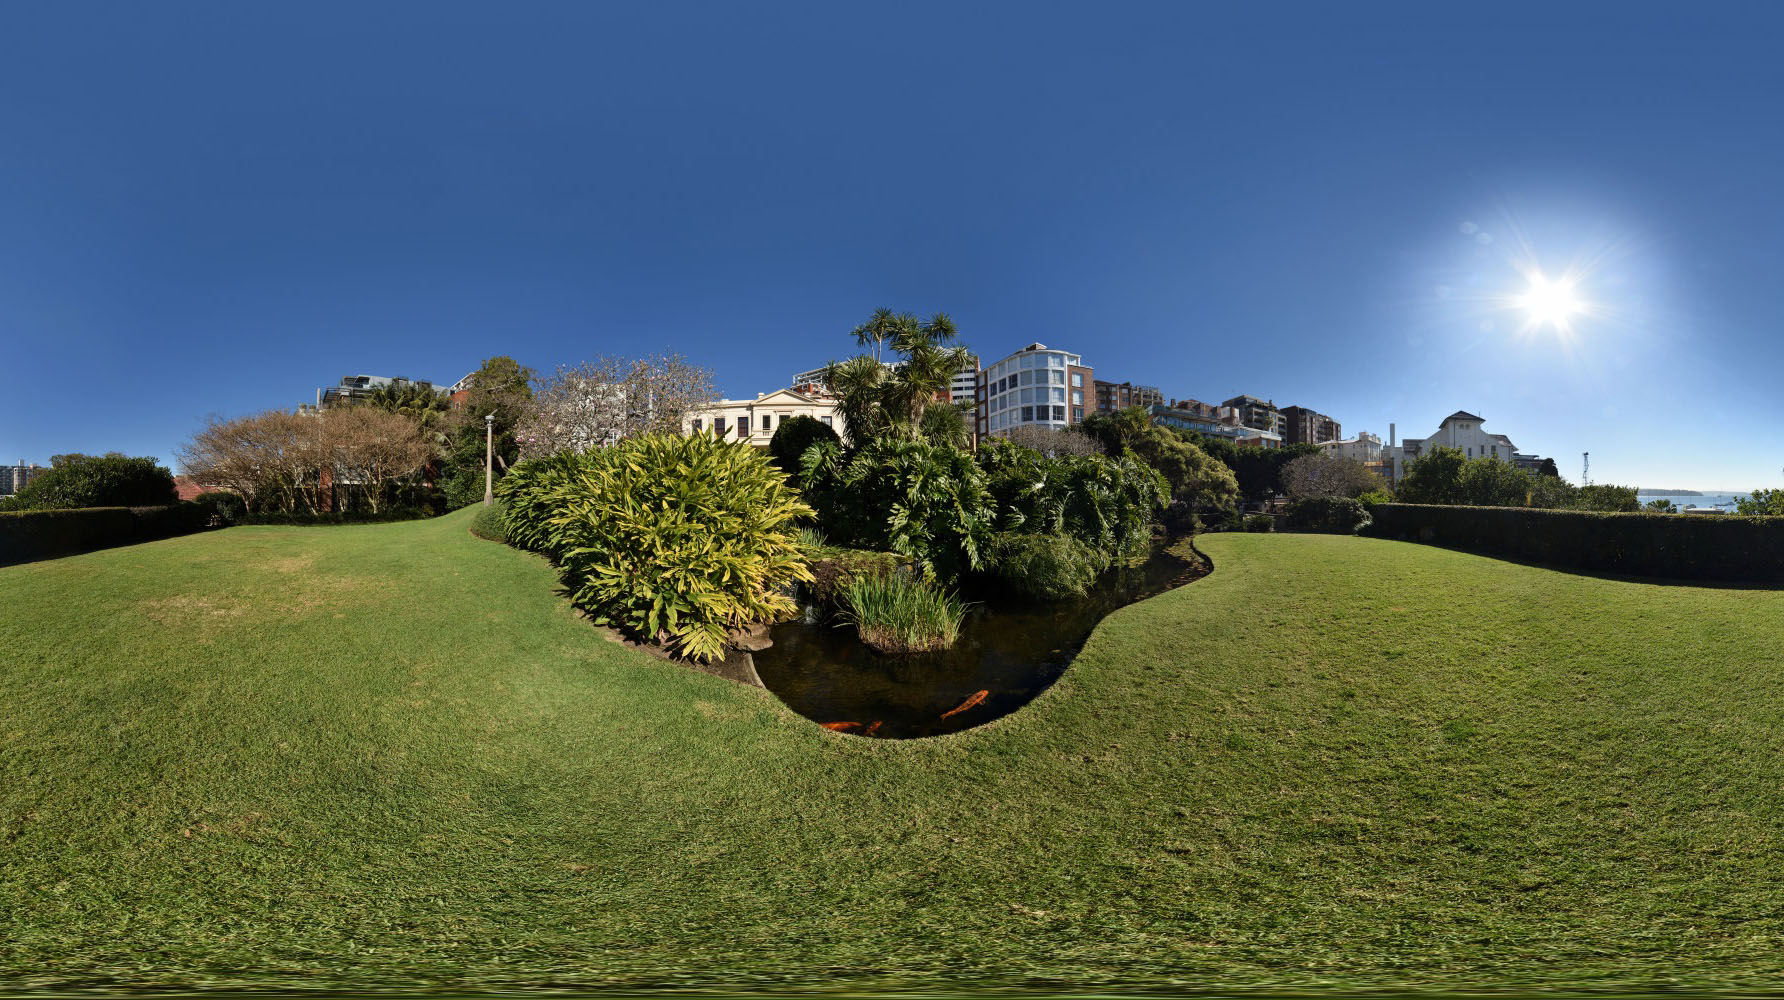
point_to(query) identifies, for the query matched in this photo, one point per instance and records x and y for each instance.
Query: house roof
(1462, 415)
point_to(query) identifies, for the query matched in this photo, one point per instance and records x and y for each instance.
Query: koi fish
(977, 698)
(841, 727)
(870, 730)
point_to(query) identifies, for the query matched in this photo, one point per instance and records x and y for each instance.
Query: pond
(1009, 652)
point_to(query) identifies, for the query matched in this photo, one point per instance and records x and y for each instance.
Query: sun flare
(1549, 301)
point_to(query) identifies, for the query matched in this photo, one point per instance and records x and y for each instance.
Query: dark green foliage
(1342, 515)
(1695, 547)
(227, 506)
(673, 539)
(1044, 567)
(112, 480)
(1607, 498)
(793, 436)
(490, 523)
(1258, 470)
(1762, 503)
(1435, 477)
(1118, 431)
(463, 488)
(1106, 503)
(1260, 523)
(361, 516)
(1195, 477)
(42, 534)
(1444, 476)
(921, 500)
(1494, 482)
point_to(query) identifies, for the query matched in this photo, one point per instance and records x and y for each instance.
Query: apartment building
(1461, 430)
(756, 420)
(1038, 386)
(14, 477)
(354, 387)
(1365, 448)
(1213, 421)
(1305, 426)
(1112, 396)
(1258, 414)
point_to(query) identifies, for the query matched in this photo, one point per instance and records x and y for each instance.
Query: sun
(1549, 301)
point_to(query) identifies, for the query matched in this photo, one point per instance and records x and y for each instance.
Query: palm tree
(880, 400)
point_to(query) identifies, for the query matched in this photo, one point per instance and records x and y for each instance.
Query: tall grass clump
(897, 613)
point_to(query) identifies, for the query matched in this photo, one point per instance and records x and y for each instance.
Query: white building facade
(756, 420)
(1035, 386)
(1460, 430)
(1365, 448)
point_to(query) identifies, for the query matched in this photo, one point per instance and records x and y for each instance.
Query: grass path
(390, 756)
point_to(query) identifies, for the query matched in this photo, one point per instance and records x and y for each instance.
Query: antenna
(1586, 473)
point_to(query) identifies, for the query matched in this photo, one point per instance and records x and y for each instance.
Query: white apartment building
(1365, 448)
(1461, 430)
(756, 420)
(1036, 385)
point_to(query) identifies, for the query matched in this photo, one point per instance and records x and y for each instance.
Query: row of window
(1018, 416)
(1032, 359)
(719, 424)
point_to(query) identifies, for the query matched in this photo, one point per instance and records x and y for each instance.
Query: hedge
(304, 518)
(1675, 546)
(42, 534)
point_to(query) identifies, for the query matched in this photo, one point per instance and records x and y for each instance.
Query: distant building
(756, 420)
(354, 387)
(1461, 430)
(1036, 386)
(1365, 448)
(1304, 426)
(14, 477)
(1112, 396)
(1258, 414)
(1213, 421)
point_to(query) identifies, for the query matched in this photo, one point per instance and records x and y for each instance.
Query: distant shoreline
(1669, 493)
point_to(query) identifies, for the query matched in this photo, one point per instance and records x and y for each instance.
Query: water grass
(900, 613)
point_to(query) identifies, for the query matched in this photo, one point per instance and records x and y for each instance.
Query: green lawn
(390, 755)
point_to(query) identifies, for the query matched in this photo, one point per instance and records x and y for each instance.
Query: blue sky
(217, 208)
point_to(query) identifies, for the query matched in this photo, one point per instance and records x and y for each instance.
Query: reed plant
(900, 613)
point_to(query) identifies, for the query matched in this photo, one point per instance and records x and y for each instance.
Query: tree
(1325, 476)
(431, 411)
(948, 424)
(1119, 430)
(603, 401)
(1494, 482)
(110, 480)
(792, 437)
(1763, 503)
(1434, 477)
(1195, 477)
(374, 448)
(1054, 443)
(879, 400)
(500, 386)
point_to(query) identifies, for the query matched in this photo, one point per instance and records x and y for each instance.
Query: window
(1077, 398)
(743, 427)
(718, 424)
(1059, 413)
(1056, 360)
(1026, 379)
(1078, 414)
(767, 421)
(697, 425)
(1059, 396)
(1078, 380)
(1026, 361)
(1028, 414)
(826, 421)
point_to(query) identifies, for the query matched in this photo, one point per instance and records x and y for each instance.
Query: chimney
(1390, 435)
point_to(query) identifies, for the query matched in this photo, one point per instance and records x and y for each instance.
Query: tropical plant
(1660, 506)
(881, 399)
(1118, 431)
(898, 613)
(793, 436)
(111, 480)
(1045, 567)
(1195, 477)
(910, 497)
(948, 424)
(676, 539)
(1106, 503)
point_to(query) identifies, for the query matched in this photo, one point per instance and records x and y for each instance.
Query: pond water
(1009, 650)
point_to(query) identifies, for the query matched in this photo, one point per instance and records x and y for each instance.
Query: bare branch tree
(599, 402)
(1327, 476)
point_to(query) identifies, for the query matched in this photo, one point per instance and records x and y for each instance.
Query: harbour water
(1720, 501)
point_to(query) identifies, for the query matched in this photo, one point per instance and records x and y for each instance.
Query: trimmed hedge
(302, 518)
(1676, 546)
(26, 535)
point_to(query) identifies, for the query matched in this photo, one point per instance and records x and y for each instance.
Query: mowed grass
(391, 756)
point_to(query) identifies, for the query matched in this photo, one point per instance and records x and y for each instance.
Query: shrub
(97, 481)
(1340, 514)
(42, 534)
(463, 488)
(1720, 547)
(1260, 523)
(675, 539)
(795, 435)
(1106, 503)
(489, 523)
(300, 518)
(918, 499)
(227, 506)
(901, 614)
(1045, 567)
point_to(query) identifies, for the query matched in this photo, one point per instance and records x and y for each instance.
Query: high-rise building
(1258, 414)
(1035, 386)
(14, 477)
(1112, 396)
(1304, 426)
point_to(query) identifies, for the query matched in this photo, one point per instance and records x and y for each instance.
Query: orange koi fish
(977, 698)
(841, 727)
